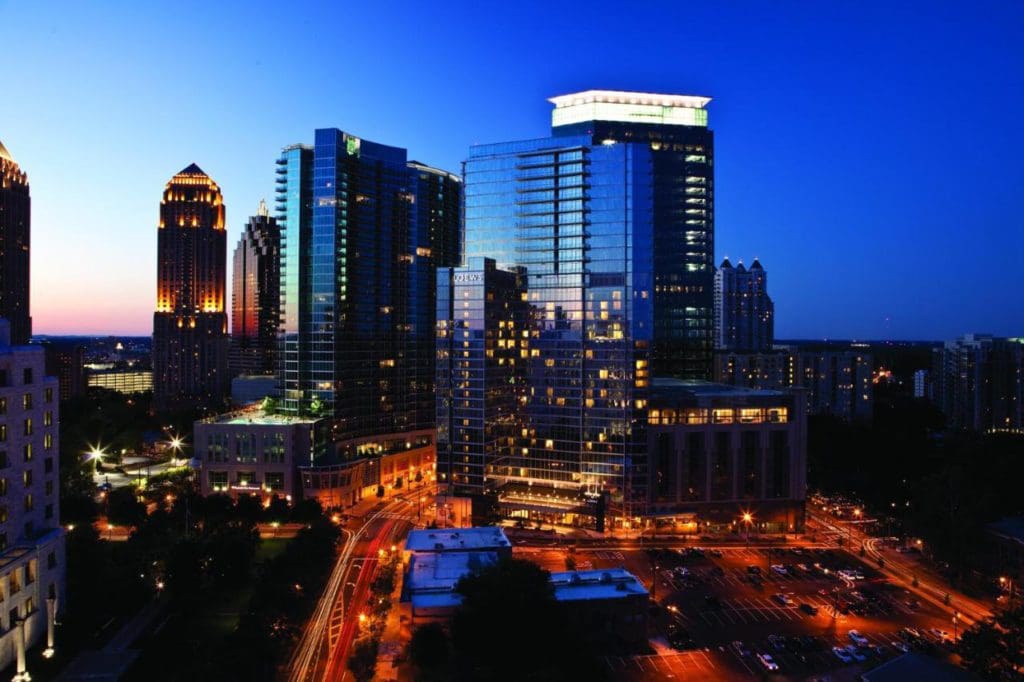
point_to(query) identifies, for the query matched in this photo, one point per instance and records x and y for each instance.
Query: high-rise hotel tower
(15, 227)
(190, 325)
(612, 219)
(363, 232)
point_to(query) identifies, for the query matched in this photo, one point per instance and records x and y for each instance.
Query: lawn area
(186, 633)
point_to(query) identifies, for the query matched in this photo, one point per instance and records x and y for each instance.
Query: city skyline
(883, 209)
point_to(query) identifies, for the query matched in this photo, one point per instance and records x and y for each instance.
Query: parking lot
(722, 610)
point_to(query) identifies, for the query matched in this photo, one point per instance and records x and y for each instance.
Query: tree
(124, 508)
(429, 650)
(994, 648)
(510, 606)
(363, 660)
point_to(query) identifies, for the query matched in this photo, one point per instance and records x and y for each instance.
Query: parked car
(779, 569)
(899, 646)
(715, 553)
(809, 609)
(740, 650)
(755, 570)
(857, 638)
(768, 663)
(842, 654)
(782, 599)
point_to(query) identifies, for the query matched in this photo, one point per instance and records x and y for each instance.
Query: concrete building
(836, 382)
(718, 452)
(65, 359)
(978, 382)
(603, 603)
(360, 467)
(190, 326)
(252, 452)
(744, 313)
(921, 383)
(32, 564)
(15, 243)
(121, 379)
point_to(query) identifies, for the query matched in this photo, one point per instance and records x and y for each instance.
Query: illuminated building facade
(978, 382)
(255, 296)
(15, 236)
(612, 218)
(190, 325)
(481, 348)
(32, 566)
(252, 452)
(363, 232)
(125, 380)
(718, 451)
(744, 313)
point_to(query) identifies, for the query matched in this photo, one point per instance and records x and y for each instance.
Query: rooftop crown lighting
(629, 107)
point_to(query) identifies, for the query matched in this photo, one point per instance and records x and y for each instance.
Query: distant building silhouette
(190, 325)
(978, 382)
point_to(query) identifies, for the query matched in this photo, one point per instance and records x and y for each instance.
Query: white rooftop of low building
(607, 583)
(456, 539)
(439, 572)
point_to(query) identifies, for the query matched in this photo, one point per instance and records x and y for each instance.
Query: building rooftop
(696, 388)
(608, 583)
(457, 540)
(429, 572)
(258, 417)
(629, 107)
(4, 154)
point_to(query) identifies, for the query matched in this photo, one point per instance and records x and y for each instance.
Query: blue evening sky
(870, 153)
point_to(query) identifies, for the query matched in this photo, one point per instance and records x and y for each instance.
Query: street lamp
(95, 454)
(1007, 584)
(956, 623)
(849, 535)
(748, 519)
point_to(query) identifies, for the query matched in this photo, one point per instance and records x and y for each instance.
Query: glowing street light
(748, 519)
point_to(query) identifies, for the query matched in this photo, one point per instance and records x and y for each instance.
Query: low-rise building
(252, 452)
(121, 379)
(603, 603)
(717, 452)
(362, 467)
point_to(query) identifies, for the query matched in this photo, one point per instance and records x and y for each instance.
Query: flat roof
(259, 418)
(457, 539)
(627, 97)
(708, 388)
(607, 583)
(433, 573)
(915, 666)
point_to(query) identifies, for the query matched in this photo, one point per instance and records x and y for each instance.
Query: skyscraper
(363, 232)
(15, 232)
(190, 325)
(481, 319)
(744, 313)
(255, 296)
(612, 218)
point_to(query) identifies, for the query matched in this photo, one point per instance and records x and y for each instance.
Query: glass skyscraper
(363, 231)
(611, 217)
(255, 296)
